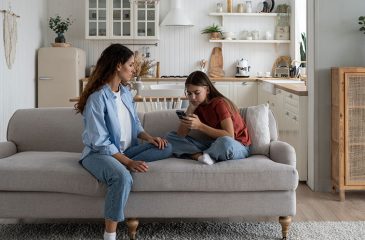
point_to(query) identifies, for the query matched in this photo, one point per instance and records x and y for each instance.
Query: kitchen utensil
(216, 63)
(240, 7)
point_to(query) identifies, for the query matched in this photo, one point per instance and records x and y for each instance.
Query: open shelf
(244, 14)
(248, 41)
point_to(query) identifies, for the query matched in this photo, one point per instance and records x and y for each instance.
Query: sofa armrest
(282, 152)
(7, 149)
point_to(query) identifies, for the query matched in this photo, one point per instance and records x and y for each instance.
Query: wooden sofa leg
(132, 224)
(285, 223)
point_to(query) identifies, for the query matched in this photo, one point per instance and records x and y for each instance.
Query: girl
(111, 129)
(214, 115)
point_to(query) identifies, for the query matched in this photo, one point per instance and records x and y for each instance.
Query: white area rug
(189, 230)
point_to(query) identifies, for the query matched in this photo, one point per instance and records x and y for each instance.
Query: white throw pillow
(257, 120)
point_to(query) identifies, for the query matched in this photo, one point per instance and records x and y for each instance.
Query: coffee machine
(242, 68)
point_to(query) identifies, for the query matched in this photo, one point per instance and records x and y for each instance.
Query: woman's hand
(137, 166)
(192, 121)
(159, 142)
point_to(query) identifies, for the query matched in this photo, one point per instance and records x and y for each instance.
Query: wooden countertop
(299, 89)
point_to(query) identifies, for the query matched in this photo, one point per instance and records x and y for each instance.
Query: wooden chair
(161, 98)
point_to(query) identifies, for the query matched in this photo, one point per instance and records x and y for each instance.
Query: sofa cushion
(61, 172)
(47, 172)
(256, 173)
(258, 128)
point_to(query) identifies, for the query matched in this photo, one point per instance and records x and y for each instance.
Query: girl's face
(197, 94)
(126, 71)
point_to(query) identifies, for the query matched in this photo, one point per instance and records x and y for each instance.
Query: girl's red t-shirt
(216, 111)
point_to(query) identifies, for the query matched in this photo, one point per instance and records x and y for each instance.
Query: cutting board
(216, 63)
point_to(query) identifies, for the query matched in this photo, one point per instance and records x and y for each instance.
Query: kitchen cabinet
(294, 128)
(244, 94)
(290, 111)
(265, 22)
(121, 19)
(348, 129)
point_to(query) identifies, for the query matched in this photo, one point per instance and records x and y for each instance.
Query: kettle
(242, 68)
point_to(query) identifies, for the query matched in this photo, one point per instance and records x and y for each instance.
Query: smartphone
(181, 114)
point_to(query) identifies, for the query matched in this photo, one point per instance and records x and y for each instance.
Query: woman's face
(126, 71)
(197, 94)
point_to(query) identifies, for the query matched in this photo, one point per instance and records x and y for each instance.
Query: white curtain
(10, 37)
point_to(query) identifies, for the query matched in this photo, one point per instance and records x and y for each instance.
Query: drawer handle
(214, 82)
(287, 113)
(295, 118)
(244, 83)
(291, 96)
(45, 78)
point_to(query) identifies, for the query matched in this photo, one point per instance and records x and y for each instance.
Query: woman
(111, 129)
(214, 115)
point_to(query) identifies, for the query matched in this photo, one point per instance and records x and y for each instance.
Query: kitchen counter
(299, 89)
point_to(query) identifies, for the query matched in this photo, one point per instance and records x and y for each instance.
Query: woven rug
(189, 230)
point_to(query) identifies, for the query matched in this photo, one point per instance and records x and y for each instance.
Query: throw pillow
(257, 119)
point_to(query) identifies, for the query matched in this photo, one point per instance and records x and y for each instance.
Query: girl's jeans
(222, 149)
(117, 177)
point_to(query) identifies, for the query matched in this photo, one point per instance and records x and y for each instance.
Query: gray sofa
(40, 176)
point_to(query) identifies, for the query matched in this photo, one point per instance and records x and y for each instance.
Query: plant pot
(215, 35)
(60, 38)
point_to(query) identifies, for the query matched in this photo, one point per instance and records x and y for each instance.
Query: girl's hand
(159, 142)
(192, 121)
(137, 166)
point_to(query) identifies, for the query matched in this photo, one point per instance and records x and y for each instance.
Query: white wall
(180, 48)
(336, 42)
(17, 85)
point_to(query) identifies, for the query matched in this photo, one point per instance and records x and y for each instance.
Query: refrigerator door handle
(45, 78)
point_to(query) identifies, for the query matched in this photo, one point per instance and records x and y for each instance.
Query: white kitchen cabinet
(121, 19)
(224, 88)
(244, 94)
(294, 128)
(290, 112)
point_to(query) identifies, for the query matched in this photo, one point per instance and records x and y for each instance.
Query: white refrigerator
(60, 70)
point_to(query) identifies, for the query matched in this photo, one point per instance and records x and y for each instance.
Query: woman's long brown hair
(105, 68)
(199, 78)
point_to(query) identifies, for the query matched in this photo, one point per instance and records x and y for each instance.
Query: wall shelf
(244, 14)
(248, 41)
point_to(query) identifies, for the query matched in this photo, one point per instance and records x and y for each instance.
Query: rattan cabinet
(348, 129)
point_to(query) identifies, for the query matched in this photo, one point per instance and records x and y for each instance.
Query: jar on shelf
(248, 6)
(219, 7)
(229, 6)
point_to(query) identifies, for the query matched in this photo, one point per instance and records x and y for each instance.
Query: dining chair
(161, 97)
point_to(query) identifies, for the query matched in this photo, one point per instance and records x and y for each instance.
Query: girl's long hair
(199, 78)
(105, 68)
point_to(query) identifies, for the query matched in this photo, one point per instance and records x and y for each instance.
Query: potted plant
(59, 25)
(362, 23)
(215, 31)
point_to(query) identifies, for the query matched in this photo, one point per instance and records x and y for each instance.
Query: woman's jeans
(117, 177)
(222, 149)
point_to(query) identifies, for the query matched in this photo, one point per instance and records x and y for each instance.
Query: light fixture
(176, 16)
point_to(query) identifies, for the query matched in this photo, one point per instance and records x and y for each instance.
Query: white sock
(206, 159)
(110, 236)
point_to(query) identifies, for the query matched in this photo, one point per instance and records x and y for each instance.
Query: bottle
(229, 6)
(248, 7)
(219, 7)
(158, 70)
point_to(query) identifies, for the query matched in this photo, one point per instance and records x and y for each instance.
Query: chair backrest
(162, 97)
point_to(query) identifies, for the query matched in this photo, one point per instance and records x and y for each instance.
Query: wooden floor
(311, 206)
(319, 206)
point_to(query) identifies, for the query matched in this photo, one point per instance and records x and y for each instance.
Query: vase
(138, 86)
(60, 38)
